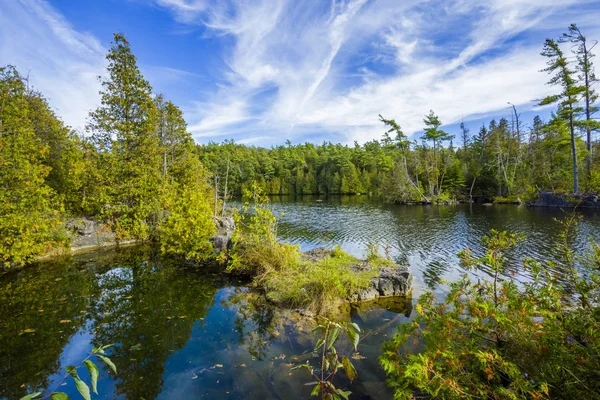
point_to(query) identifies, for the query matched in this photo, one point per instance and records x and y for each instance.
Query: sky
(262, 72)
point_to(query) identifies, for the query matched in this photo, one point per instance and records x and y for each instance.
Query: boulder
(392, 281)
(222, 240)
(88, 233)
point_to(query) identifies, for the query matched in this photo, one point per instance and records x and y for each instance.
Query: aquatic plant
(82, 387)
(332, 361)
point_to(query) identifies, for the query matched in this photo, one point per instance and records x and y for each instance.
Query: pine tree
(587, 78)
(567, 99)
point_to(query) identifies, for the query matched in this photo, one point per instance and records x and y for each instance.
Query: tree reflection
(148, 307)
(40, 309)
(254, 321)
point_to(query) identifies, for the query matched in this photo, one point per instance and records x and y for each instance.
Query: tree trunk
(574, 150)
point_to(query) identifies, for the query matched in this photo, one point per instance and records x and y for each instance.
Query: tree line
(505, 158)
(137, 168)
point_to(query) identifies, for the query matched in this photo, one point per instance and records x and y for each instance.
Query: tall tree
(124, 128)
(437, 136)
(583, 52)
(567, 99)
(29, 211)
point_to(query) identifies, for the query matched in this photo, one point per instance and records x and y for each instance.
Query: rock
(392, 281)
(562, 200)
(225, 229)
(88, 233)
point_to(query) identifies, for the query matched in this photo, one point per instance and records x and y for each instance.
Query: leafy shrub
(331, 359)
(280, 269)
(187, 230)
(498, 339)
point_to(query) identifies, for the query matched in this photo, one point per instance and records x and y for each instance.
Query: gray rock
(392, 281)
(225, 229)
(88, 233)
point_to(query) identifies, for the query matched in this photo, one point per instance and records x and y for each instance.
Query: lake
(180, 333)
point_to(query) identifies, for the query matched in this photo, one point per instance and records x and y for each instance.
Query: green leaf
(316, 390)
(31, 396)
(59, 396)
(320, 343)
(333, 335)
(354, 337)
(81, 386)
(344, 394)
(355, 326)
(108, 362)
(93, 370)
(349, 368)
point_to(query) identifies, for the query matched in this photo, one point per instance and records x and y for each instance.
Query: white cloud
(452, 58)
(62, 63)
(300, 67)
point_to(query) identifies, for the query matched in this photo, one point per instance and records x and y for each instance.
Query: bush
(499, 339)
(279, 268)
(187, 230)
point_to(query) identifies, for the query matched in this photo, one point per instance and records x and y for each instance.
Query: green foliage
(82, 387)
(279, 268)
(331, 359)
(29, 211)
(499, 339)
(187, 229)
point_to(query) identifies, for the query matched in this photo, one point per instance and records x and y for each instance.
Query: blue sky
(265, 71)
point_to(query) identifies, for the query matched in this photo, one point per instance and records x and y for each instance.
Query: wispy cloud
(311, 70)
(461, 58)
(61, 62)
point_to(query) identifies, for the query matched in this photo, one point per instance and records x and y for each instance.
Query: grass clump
(279, 268)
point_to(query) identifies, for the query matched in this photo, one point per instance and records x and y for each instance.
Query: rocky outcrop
(223, 238)
(392, 280)
(551, 199)
(88, 233)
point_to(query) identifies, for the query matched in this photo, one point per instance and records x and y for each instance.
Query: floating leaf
(93, 370)
(59, 396)
(349, 368)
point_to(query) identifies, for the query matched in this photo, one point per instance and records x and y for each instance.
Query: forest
(137, 168)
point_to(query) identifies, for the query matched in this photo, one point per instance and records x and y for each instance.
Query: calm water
(182, 334)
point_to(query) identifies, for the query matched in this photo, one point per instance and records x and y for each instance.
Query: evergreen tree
(587, 78)
(29, 210)
(124, 129)
(567, 99)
